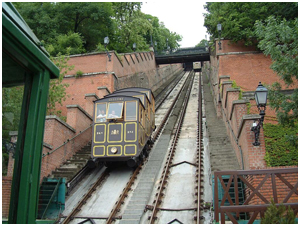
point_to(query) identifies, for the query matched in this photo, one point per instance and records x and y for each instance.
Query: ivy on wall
(281, 145)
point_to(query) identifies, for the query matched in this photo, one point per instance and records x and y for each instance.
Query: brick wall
(246, 67)
(101, 76)
(6, 186)
(58, 132)
(266, 190)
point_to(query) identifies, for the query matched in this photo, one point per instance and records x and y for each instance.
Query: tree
(11, 111)
(132, 26)
(82, 26)
(279, 39)
(273, 27)
(50, 22)
(160, 34)
(71, 43)
(238, 18)
(41, 17)
(278, 215)
(92, 20)
(202, 43)
(57, 89)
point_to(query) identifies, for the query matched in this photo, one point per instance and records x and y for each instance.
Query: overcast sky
(183, 17)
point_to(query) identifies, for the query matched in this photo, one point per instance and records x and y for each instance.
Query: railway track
(120, 203)
(181, 172)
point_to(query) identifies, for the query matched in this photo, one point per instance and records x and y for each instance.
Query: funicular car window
(115, 110)
(131, 112)
(100, 113)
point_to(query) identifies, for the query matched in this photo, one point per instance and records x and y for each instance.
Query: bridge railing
(183, 51)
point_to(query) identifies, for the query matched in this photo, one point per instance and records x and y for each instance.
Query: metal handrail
(68, 140)
(52, 196)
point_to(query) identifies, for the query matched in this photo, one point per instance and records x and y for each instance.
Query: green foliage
(234, 85)
(248, 108)
(238, 18)
(11, 109)
(41, 17)
(286, 106)
(79, 27)
(92, 20)
(5, 158)
(78, 74)
(281, 145)
(100, 48)
(278, 215)
(273, 26)
(279, 39)
(57, 89)
(12, 99)
(71, 43)
(202, 43)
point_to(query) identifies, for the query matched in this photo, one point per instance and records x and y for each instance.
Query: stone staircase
(72, 166)
(222, 155)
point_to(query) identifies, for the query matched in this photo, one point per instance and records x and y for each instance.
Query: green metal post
(24, 209)
(15, 188)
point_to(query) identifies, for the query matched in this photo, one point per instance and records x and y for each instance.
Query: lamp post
(206, 43)
(261, 102)
(106, 41)
(134, 48)
(219, 27)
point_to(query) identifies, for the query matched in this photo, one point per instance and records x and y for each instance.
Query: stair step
(63, 174)
(67, 169)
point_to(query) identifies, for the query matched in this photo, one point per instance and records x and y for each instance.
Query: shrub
(281, 145)
(279, 215)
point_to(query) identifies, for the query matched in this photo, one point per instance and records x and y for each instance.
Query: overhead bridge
(183, 55)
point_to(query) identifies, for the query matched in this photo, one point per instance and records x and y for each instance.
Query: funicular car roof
(129, 94)
(137, 89)
(107, 98)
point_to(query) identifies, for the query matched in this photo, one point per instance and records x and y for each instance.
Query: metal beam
(182, 58)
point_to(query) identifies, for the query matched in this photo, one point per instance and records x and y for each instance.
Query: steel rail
(163, 122)
(86, 196)
(78, 177)
(120, 201)
(199, 150)
(172, 150)
(122, 197)
(170, 88)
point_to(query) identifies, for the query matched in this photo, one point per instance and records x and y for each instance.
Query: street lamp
(134, 48)
(261, 102)
(106, 41)
(219, 27)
